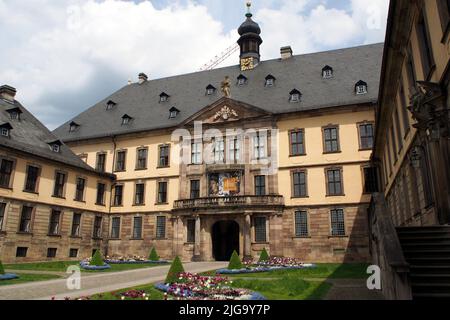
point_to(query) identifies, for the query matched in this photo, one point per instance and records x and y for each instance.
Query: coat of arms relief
(225, 114)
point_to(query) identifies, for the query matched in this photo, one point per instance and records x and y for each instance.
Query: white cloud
(64, 55)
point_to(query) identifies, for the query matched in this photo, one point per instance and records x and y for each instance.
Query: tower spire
(249, 9)
(250, 41)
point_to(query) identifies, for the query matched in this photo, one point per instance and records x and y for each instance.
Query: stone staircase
(427, 250)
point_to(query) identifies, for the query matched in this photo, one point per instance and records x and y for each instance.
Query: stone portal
(225, 239)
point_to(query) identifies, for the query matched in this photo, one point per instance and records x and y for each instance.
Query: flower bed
(133, 260)
(195, 287)
(85, 264)
(274, 263)
(8, 276)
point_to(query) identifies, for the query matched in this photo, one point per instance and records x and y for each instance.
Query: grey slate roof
(29, 135)
(188, 92)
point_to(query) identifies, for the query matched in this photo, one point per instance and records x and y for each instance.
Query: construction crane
(220, 58)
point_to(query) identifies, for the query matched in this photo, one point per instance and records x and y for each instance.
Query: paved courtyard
(97, 283)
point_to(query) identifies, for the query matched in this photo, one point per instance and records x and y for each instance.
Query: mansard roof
(188, 92)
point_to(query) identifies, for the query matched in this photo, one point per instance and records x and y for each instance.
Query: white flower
(123, 298)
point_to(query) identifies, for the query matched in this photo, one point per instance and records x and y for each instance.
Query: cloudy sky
(63, 56)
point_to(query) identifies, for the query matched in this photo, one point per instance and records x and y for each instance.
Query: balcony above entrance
(230, 202)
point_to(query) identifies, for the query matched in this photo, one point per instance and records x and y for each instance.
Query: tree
(97, 259)
(2, 271)
(153, 255)
(175, 269)
(264, 256)
(235, 262)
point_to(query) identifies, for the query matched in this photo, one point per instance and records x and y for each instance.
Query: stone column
(247, 236)
(197, 245)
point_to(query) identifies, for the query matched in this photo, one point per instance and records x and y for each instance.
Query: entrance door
(225, 239)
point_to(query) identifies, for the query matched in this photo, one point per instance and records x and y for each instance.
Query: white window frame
(196, 152)
(361, 89)
(219, 150)
(234, 149)
(259, 146)
(5, 132)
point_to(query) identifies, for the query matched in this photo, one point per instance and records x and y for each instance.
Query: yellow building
(412, 152)
(52, 205)
(265, 154)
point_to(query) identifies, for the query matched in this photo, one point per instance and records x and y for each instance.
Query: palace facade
(265, 154)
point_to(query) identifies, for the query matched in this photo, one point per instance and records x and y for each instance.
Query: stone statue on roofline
(226, 87)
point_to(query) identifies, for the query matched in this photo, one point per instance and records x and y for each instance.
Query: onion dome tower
(249, 42)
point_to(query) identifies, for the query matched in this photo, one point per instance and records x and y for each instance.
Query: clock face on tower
(247, 64)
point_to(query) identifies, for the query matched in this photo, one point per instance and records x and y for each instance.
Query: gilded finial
(249, 12)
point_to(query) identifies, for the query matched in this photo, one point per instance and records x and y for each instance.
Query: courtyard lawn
(24, 277)
(61, 266)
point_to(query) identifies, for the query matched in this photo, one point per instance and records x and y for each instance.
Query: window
(55, 218)
(370, 179)
(73, 253)
(444, 13)
(163, 97)
(361, 87)
(2, 215)
(173, 113)
(195, 189)
(241, 80)
(334, 182)
(426, 179)
(76, 225)
(337, 222)
(73, 126)
(142, 156)
(101, 161)
(191, 231)
(210, 90)
(164, 156)
(126, 120)
(160, 227)
(21, 252)
(234, 149)
(366, 136)
(110, 105)
(270, 81)
(25, 219)
(51, 252)
(403, 109)
(299, 184)
(14, 113)
(115, 228)
(32, 178)
(411, 71)
(97, 233)
(6, 169)
(139, 198)
(118, 195)
(398, 129)
(5, 132)
(426, 52)
(137, 228)
(297, 140)
(331, 139)
(100, 193)
(196, 153)
(162, 192)
(260, 229)
(121, 159)
(301, 224)
(60, 182)
(56, 148)
(394, 144)
(260, 185)
(81, 186)
(327, 72)
(295, 96)
(219, 150)
(259, 146)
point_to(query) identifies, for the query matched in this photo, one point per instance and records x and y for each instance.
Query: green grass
(61, 266)
(153, 294)
(24, 277)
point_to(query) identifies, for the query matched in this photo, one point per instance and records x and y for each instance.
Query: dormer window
(295, 96)
(110, 105)
(241, 80)
(163, 97)
(14, 113)
(361, 87)
(55, 146)
(210, 90)
(327, 72)
(5, 129)
(73, 126)
(126, 120)
(174, 113)
(270, 81)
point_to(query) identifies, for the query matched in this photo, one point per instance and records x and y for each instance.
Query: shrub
(97, 259)
(264, 256)
(235, 262)
(175, 269)
(2, 271)
(153, 255)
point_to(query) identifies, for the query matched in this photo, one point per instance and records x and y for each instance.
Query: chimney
(7, 93)
(286, 52)
(142, 78)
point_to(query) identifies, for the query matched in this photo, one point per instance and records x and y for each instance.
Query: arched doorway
(225, 239)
